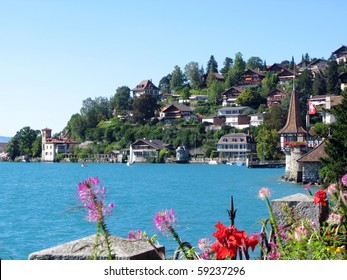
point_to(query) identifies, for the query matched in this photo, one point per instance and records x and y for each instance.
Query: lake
(39, 206)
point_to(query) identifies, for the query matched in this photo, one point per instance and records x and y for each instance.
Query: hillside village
(229, 115)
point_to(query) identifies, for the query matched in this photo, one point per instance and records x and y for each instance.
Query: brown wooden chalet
(293, 130)
(175, 111)
(252, 77)
(230, 95)
(340, 54)
(284, 74)
(311, 163)
(275, 97)
(146, 86)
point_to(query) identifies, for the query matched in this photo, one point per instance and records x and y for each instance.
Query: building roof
(180, 107)
(60, 141)
(315, 154)
(294, 123)
(145, 85)
(343, 49)
(232, 136)
(155, 144)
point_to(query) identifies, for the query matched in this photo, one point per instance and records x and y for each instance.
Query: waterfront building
(53, 146)
(236, 146)
(293, 138)
(145, 149)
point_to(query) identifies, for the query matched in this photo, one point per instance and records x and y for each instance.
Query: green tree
(269, 83)
(267, 144)
(332, 74)
(235, 73)
(215, 92)
(22, 143)
(254, 62)
(228, 63)
(210, 77)
(177, 79)
(212, 63)
(165, 83)
(335, 164)
(121, 100)
(77, 127)
(319, 86)
(250, 97)
(192, 72)
(144, 108)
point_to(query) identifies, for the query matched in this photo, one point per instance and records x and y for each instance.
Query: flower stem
(179, 242)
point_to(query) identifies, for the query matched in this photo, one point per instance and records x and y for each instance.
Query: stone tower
(293, 138)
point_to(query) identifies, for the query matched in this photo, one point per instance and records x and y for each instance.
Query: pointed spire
(294, 123)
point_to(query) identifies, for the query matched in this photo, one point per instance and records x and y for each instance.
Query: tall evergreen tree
(177, 79)
(335, 164)
(319, 86)
(234, 75)
(228, 63)
(333, 85)
(212, 63)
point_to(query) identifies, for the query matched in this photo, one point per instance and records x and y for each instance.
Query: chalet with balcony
(275, 97)
(176, 111)
(53, 146)
(146, 86)
(230, 95)
(236, 146)
(340, 54)
(145, 149)
(252, 77)
(284, 75)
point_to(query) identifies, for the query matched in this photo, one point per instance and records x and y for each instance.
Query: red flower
(229, 240)
(320, 198)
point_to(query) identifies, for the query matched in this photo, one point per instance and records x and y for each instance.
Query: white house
(52, 146)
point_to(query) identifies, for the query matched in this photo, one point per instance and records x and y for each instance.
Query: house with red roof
(53, 146)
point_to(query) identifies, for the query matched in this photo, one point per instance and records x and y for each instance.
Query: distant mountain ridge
(4, 139)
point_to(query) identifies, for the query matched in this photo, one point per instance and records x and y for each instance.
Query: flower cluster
(92, 195)
(305, 239)
(229, 240)
(164, 220)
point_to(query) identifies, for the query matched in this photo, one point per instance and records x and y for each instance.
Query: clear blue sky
(56, 53)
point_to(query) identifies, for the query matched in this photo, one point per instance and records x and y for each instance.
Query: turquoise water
(39, 207)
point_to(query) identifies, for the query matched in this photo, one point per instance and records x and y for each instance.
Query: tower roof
(294, 123)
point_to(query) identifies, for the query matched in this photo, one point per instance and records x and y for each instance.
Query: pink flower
(204, 243)
(92, 195)
(264, 193)
(135, 235)
(164, 220)
(344, 180)
(300, 233)
(334, 219)
(307, 187)
(331, 189)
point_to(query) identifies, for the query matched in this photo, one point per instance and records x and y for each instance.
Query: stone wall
(310, 171)
(82, 249)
